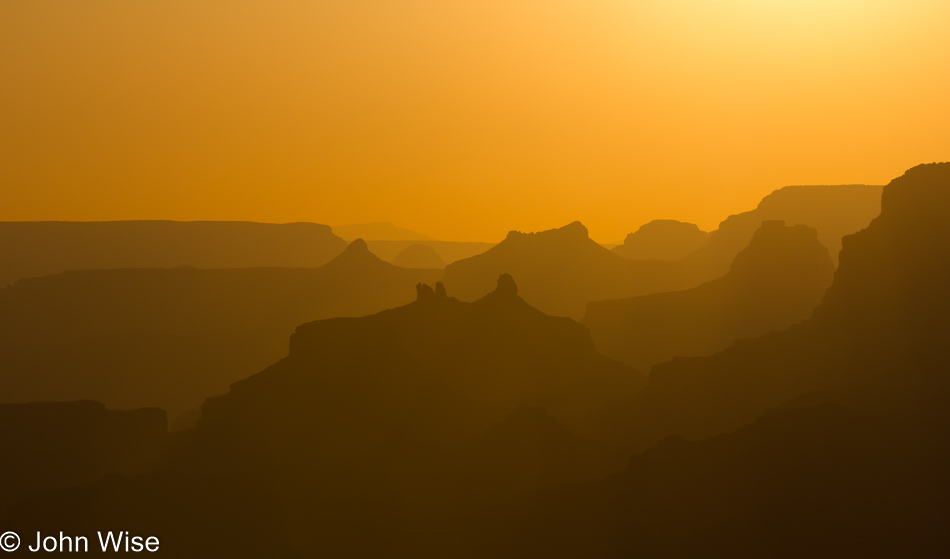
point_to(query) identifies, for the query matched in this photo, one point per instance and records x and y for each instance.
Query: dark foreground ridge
(445, 428)
(852, 460)
(394, 418)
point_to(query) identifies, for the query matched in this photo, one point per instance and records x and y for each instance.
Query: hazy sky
(461, 119)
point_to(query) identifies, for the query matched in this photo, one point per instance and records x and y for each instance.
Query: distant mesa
(40, 248)
(833, 210)
(662, 239)
(378, 232)
(775, 282)
(419, 256)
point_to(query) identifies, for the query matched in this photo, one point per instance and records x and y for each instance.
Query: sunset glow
(463, 119)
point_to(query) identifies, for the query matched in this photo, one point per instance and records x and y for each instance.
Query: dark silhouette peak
(357, 253)
(506, 286)
(424, 292)
(575, 229)
(357, 246)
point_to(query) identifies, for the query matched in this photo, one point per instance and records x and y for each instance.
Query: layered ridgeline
(884, 303)
(402, 246)
(368, 431)
(172, 337)
(560, 270)
(379, 231)
(40, 248)
(357, 390)
(853, 461)
(773, 283)
(662, 239)
(833, 210)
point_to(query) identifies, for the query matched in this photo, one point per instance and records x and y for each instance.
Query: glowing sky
(460, 119)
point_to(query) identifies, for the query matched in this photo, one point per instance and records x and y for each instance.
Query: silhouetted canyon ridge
(748, 392)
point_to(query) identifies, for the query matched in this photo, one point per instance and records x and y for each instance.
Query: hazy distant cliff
(833, 210)
(173, 337)
(877, 332)
(39, 248)
(662, 239)
(774, 282)
(560, 270)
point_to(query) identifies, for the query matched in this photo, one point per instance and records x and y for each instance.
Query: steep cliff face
(876, 340)
(774, 283)
(834, 211)
(895, 273)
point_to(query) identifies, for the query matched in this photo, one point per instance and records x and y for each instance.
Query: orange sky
(460, 119)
